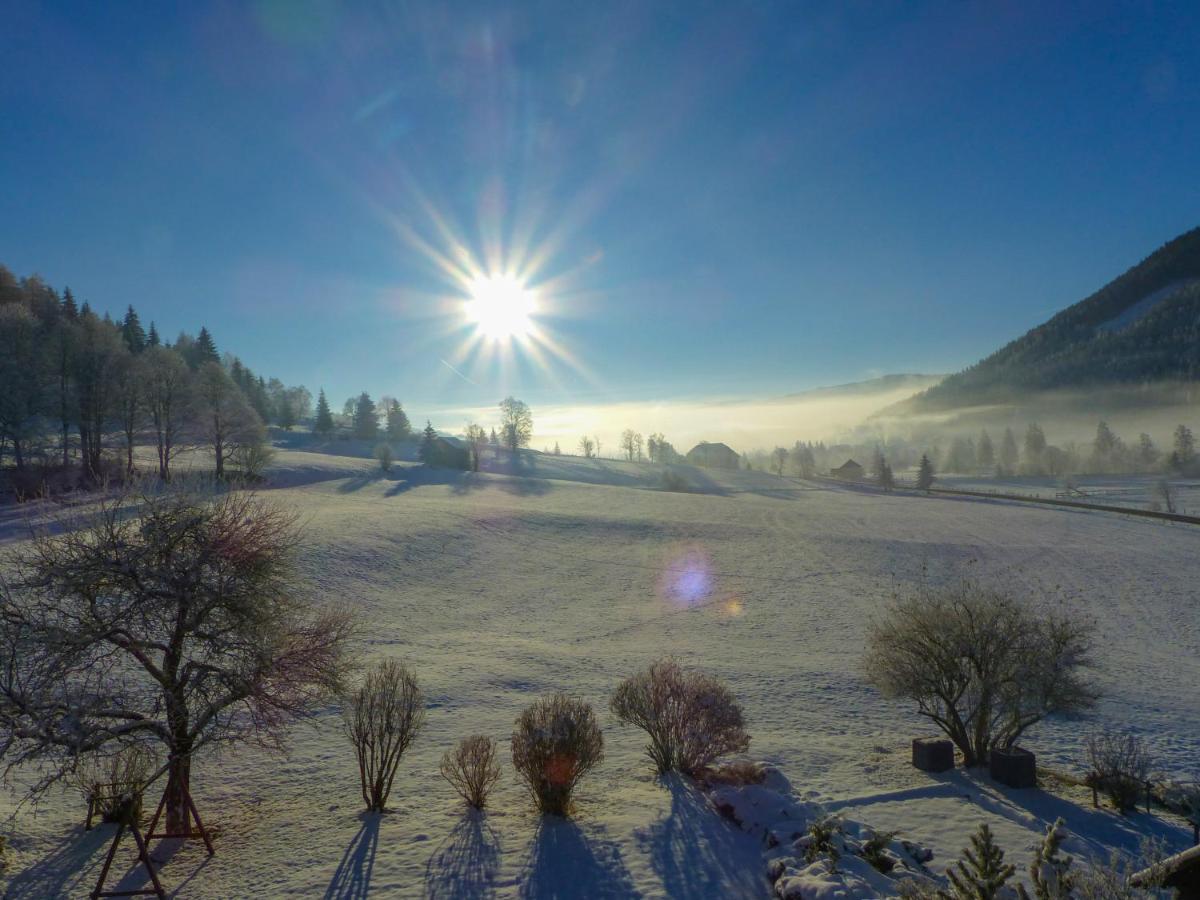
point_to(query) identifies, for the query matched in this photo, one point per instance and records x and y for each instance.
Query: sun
(501, 307)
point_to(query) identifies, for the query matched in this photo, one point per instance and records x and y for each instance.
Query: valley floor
(573, 574)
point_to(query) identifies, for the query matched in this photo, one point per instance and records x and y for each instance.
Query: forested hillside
(1142, 328)
(80, 391)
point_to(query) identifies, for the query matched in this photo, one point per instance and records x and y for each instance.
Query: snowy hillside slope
(497, 588)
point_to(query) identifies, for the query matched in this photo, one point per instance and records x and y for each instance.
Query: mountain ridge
(1141, 328)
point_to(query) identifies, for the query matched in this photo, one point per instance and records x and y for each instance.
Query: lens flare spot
(687, 578)
(732, 608)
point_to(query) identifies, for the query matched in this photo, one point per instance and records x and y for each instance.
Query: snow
(572, 575)
(1135, 311)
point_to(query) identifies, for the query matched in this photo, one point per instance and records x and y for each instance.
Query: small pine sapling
(1050, 870)
(981, 873)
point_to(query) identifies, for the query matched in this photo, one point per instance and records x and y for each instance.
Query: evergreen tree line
(1002, 456)
(82, 391)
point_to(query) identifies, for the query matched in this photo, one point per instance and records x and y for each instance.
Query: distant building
(848, 471)
(713, 456)
(450, 453)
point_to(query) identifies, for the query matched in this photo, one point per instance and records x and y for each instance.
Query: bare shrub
(691, 718)
(1120, 765)
(471, 768)
(113, 786)
(738, 773)
(555, 742)
(980, 664)
(382, 717)
(383, 455)
(673, 481)
(251, 459)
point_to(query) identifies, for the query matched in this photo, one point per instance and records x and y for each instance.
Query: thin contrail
(458, 373)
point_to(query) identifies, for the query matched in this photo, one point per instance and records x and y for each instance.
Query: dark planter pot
(1016, 768)
(932, 754)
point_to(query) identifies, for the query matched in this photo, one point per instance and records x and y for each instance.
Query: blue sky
(724, 199)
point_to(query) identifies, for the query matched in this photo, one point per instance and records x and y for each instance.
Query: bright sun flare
(500, 306)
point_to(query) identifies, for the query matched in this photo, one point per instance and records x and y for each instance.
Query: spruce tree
(366, 418)
(1050, 871)
(70, 310)
(925, 473)
(887, 480)
(985, 453)
(132, 331)
(152, 338)
(1008, 452)
(428, 449)
(398, 426)
(205, 349)
(982, 872)
(324, 422)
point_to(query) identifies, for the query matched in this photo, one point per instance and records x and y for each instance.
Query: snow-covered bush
(382, 717)
(1119, 766)
(471, 768)
(821, 841)
(555, 742)
(692, 719)
(982, 665)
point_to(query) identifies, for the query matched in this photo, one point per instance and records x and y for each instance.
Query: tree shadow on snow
(698, 854)
(1100, 830)
(66, 871)
(466, 862)
(352, 880)
(565, 865)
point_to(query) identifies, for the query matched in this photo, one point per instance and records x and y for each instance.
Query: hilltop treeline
(81, 391)
(1141, 328)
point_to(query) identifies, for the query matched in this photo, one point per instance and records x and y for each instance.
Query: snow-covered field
(498, 588)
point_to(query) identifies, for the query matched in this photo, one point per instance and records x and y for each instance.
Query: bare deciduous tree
(981, 665)
(692, 719)
(778, 460)
(516, 423)
(587, 447)
(556, 741)
(471, 768)
(168, 393)
(226, 419)
(477, 441)
(169, 620)
(383, 716)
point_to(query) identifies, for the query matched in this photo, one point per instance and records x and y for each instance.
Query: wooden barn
(848, 471)
(713, 456)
